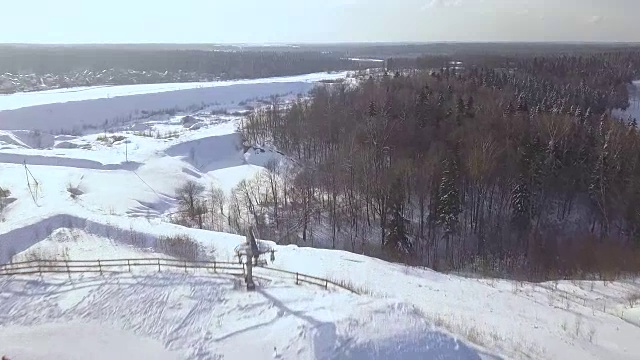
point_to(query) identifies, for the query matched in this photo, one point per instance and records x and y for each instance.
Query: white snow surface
(96, 108)
(127, 190)
(368, 59)
(28, 99)
(79, 341)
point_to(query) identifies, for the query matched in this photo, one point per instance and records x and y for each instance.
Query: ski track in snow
(127, 189)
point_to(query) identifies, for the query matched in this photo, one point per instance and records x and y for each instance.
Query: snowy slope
(127, 189)
(203, 317)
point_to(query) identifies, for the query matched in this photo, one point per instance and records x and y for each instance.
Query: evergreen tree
(521, 204)
(470, 103)
(523, 196)
(373, 111)
(460, 106)
(397, 239)
(449, 199)
(522, 104)
(600, 182)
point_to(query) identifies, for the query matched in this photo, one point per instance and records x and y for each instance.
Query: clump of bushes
(181, 246)
(74, 191)
(4, 198)
(110, 139)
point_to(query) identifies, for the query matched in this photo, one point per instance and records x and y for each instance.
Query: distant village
(26, 82)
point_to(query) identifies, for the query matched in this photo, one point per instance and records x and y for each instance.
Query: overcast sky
(291, 21)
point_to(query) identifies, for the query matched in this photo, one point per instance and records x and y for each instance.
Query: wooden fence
(158, 264)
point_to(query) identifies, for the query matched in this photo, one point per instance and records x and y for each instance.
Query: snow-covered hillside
(108, 196)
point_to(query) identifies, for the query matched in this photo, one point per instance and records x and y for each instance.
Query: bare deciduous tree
(192, 206)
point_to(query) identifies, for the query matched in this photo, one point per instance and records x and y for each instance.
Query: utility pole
(250, 241)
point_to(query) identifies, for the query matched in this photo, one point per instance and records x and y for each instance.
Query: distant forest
(246, 61)
(510, 165)
(224, 64)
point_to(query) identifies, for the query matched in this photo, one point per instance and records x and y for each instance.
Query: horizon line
(289, 44)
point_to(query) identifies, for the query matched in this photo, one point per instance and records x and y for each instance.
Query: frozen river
(86, 108)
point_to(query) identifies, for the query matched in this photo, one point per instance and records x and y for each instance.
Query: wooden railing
(158, 264)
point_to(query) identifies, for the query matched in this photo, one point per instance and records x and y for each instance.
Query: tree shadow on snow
(429, 344)
(426, 343)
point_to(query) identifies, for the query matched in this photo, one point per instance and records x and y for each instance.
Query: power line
(34, 193)
(144, 182)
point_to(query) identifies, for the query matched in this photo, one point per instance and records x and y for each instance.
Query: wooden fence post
(129, 264)
(185, 266)
(68, 270)
(297, 279)
(326, 284)
(214, 267)
(158, 264)
(100, 267)
(39, 268)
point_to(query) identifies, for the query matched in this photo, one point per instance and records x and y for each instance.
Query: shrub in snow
(110, 139)
(46, 256)
(4, 196)
(633, 299)
(180, 246)
(188, 121)
(74, 191)
(4, 193)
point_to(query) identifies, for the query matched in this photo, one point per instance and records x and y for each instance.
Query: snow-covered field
(126, 190)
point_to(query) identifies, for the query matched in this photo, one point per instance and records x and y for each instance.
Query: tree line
(516, 169)
(222, 64)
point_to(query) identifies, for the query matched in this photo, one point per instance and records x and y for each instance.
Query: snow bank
(9, 141)
(632, 315)
(47, 160)
(77, 244)
(260, 156)
(140, 233)
(210, 153)
(34, 139)
(27, 139)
